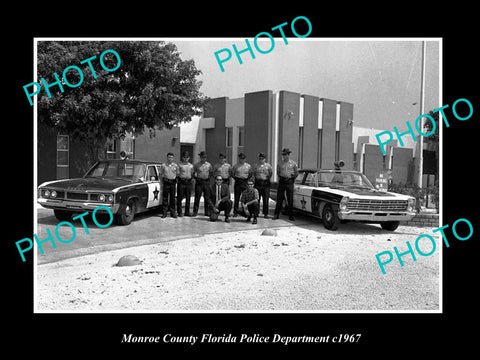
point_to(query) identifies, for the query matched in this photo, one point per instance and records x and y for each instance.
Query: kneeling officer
(249, 203)
(220, 199)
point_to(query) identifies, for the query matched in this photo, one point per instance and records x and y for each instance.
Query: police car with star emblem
(126, 187)
(337, 196)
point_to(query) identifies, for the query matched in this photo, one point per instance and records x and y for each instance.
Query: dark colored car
(126, 187)
(344, 195)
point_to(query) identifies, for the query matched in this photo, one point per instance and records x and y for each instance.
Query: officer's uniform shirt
(170, 171)
(223, 170)
(185, 170)
(263, 171)
(242, 171)
(203, 170)
(287, 169)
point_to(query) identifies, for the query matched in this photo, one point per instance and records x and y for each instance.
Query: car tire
(126, 215)
(330, 218)
(390, 225)
(62, 215)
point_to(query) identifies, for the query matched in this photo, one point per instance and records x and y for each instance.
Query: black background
(385, 335)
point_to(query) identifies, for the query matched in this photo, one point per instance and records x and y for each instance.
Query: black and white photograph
(308, 198)
(224, 179)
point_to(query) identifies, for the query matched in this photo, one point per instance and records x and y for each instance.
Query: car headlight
(110, 198)
(46, 193)
(411, 204)
(101, 197)
(53, 194)
(343, 203)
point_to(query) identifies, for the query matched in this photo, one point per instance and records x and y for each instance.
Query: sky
(381, 77)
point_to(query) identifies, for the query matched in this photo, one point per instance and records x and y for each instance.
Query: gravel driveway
(303, 268)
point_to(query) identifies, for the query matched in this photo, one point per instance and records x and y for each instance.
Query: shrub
(420, 194)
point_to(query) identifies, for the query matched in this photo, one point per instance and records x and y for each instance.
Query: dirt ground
(303, 268)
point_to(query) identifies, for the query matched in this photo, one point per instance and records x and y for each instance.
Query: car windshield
(117, 169)
(342, 179)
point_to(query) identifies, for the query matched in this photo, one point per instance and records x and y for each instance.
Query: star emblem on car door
(303, 202)
(155, 193)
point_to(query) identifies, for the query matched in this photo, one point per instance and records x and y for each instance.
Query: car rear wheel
(126, 215)
(62, 215)
(390, 225)
(330, 218)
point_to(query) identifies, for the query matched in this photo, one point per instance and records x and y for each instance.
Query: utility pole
(422, 111)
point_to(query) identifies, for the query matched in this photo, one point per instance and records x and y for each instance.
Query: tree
(152, 88)
(428, 126)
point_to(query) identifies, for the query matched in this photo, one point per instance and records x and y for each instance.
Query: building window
(337, 146)
(300, 146)
(111, 153)
(62, 150)
(241, 135)
(127, 144)
(229, 137)
(319, 148)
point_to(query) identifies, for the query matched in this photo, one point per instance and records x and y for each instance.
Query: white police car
(343, 195)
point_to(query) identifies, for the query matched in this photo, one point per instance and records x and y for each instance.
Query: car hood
(359, 193)
(87, 184)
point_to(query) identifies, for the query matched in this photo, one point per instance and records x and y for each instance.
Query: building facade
(319, 131)
(60, 157)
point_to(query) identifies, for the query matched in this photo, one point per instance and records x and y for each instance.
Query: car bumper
(375, 216)
(76, 206)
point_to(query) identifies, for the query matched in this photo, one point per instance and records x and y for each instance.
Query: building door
(62, 157)
(186, 147)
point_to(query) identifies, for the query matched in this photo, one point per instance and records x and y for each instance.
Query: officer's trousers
(239, 186)
(263, 187)
(168, 196)
(285, 187)
(184, 191)
(202, 187)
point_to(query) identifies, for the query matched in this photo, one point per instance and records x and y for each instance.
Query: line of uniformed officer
(170, 171)
(184, 186)
(182, 175)
(287, 171)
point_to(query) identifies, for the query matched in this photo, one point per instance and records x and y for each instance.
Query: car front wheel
(62, 215)
(390, 225)
(126, 215)
(330, 218)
